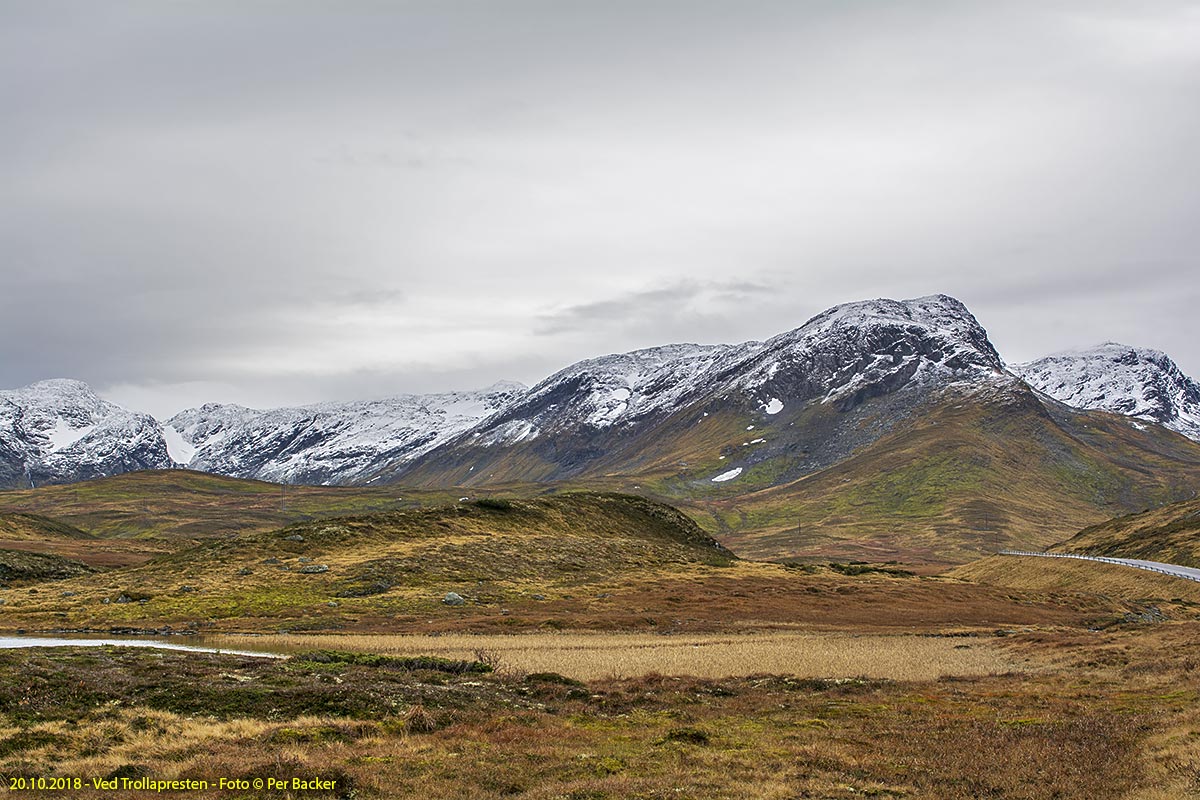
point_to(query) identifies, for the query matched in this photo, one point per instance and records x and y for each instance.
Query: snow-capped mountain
(730, 416)
(58, 431)
(1134, 381)
(843, 355)
(860, 350)
(602, 392)
(604, 413)
(329, 443)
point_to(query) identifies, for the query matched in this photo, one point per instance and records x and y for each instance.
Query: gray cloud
(278, 203)
(661, 313)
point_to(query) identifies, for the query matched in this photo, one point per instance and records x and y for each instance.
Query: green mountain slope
(921, 474)
(967, 476)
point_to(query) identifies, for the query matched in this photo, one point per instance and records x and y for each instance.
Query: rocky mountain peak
(59, 430)
(1134, 381)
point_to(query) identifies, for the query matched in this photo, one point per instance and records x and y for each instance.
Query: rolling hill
(186, 504)
(1170, 533)
(579, 560)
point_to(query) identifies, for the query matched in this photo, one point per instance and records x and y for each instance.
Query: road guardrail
(1173, 570)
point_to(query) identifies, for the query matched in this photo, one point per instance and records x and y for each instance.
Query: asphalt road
(1174, 570)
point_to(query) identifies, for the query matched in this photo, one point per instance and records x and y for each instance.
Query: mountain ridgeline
(886, 426)
(810, 396)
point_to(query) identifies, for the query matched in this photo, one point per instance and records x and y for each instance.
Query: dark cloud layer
(285, 202)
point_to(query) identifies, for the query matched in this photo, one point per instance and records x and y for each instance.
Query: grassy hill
(187, 504)
(16, 527)
(1170, 533)
(489, 552)
(571, 561)
(1061, 576)
(18, 568)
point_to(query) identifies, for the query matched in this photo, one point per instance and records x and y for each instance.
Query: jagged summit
(939, 315)
(935, 310)
(858, 350)
(59, 430)
(1134, 381)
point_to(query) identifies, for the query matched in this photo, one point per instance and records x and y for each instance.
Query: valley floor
(1062, 713)
(603, 647)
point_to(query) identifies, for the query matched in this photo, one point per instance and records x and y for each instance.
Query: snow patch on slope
(63, 435)
(180, 449)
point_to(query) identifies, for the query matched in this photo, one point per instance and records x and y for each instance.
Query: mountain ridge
(597, 413)
(59, 430)
(329, 442)
(1137, 382)
(844, 378)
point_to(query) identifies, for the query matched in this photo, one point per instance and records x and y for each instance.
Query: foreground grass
(1114, 728)
(573, 561)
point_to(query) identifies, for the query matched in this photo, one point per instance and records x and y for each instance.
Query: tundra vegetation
(605, 647)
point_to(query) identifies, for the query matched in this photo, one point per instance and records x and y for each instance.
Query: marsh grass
(1081, 726)
(588, 656)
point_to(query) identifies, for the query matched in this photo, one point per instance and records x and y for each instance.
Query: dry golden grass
(1060, 575)
(125, 736)
(587, 656)
(1170, 533)
(1114, 718)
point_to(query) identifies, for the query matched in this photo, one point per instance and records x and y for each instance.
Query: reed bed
(587, 656)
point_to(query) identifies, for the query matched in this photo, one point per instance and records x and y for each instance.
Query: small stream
(160, 643)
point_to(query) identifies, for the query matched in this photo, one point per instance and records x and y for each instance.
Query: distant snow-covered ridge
(329, 443)
(59, 431)
(1134, 381)
(842, 355)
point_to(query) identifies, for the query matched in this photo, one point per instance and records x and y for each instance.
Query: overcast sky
(284, 202)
